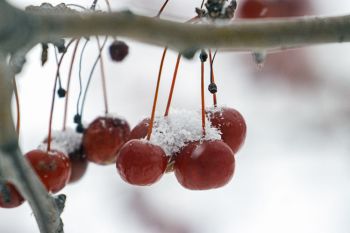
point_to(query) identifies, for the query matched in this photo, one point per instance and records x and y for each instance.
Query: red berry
(141, 163)
(103, 139)
(140, 130)
(252, 9)
(53, 168)
(204, 165)
(9, 196)
(71, 143)
(231, 124)
(273, 8)
(79, 165)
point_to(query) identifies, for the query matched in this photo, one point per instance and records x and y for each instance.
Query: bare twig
(14, 167)
(19, 28)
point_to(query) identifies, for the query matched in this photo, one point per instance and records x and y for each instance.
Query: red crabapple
(231, 124)
(204, 165)
(9, 196)
(70, 142)
(140, 130)
(273, 8)
(53, 168)
(141, 163)
(103, 139)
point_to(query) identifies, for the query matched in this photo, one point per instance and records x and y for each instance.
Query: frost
(179, 128)
(67, 141)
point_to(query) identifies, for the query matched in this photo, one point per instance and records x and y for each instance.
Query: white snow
(179, 128)
(66, 141)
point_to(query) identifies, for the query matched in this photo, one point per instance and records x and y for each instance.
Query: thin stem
(103, 77)
(156, 95)
(172, 85)
(15, 90)
(202, 98)
(80, 76)
(212, 78)
(162, 9)
(68, 84)
(192, 20)
(54, 96)
(59, 75)
(202, 4)
(90, 77)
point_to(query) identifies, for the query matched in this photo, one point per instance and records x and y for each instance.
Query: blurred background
(292, 174)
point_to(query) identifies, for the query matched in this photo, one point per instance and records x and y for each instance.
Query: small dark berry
(118, 50)
(212, 88)
(80, 128)
(233, 4)
(61, 92)
(203, 56)
(77, 119)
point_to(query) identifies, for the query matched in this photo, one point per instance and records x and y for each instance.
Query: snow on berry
(67, 141)
(179, 128)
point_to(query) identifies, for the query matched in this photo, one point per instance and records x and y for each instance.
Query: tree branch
(15, 169)
(259, 34)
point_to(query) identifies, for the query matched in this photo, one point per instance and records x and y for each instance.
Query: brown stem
(54, 96)
(162, 9)
(103, 77)
(202, 98)
(149, 132)
(212, 78)
(15, 90)
(68, 85)
(172, 85)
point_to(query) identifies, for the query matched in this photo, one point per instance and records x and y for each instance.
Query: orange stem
(172, 85)
(68, 85)
(212, 79)
(156, 95)
(162, 9)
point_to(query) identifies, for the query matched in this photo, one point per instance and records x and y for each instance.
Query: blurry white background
(292, 174)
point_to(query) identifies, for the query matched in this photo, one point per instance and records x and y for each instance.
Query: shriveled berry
(212, 88)
(204, 165)
(141, 163)
(77, 118)
(203, 56)
(61, 92)
(80, 128)
(118, 50)
(231, 124)
(9, 196)
(103, 139)
(53, 168)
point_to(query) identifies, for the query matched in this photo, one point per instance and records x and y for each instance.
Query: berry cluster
(198, 146)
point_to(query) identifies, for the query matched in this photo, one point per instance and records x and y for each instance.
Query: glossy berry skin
(141, 163)
(204, 165)
(79, 165)
(9, 196)
(232, 126)
(140, 130)
(103, 139)
(53, 168)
